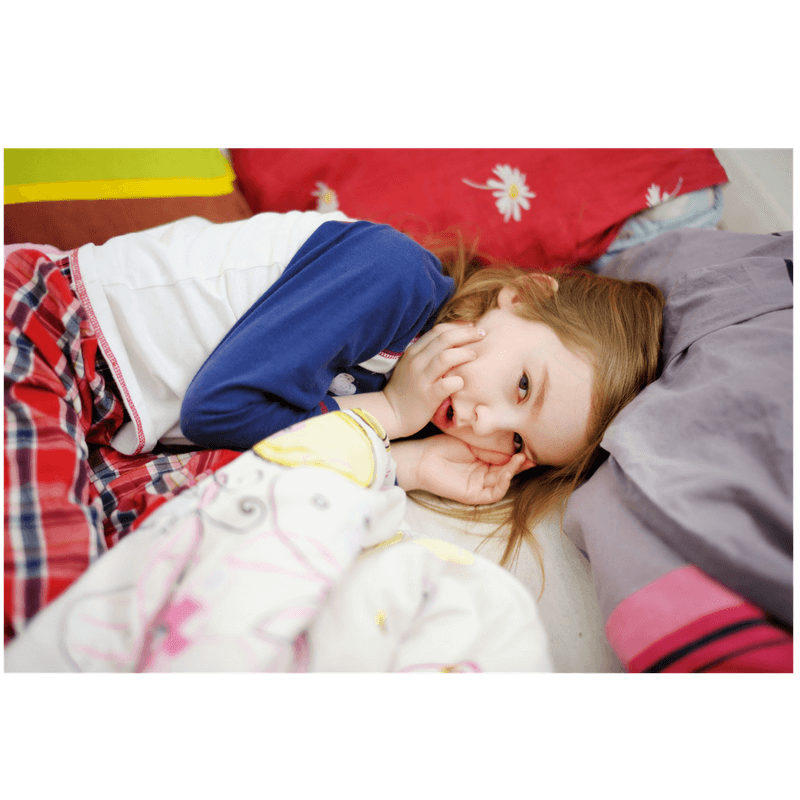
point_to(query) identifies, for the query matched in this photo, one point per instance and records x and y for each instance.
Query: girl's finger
(525, 463)
(498, 479)
(445, 336)
(453, 357)
(519, 463)
(450, 385)
(459, 336)
(442, 356)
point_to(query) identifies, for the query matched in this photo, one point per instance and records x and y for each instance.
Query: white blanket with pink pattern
(292, 558)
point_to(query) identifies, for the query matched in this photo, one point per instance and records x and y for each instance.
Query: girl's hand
(419, 383)
(445, 466)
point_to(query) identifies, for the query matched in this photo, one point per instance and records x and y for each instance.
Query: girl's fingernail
(481, 332)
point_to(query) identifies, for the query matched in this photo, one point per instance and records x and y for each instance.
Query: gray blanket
(700, 464)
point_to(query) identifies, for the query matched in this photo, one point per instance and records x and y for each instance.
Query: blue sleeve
(351, 291)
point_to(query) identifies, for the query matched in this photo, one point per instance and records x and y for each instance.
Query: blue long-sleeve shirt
(352, 292)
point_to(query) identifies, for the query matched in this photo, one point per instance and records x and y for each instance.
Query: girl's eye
(523, 387)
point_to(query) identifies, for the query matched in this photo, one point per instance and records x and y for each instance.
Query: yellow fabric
(33, 175)
(446, 551)
(329, 443)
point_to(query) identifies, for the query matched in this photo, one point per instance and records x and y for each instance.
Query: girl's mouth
(444, 417)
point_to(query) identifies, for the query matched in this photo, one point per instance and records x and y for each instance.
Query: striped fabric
(686, 622)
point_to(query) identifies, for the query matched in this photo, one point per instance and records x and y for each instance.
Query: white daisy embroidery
(655, 196)
(510, 191)
(326, 198)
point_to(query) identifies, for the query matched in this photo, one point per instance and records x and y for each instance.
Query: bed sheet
(564, 590)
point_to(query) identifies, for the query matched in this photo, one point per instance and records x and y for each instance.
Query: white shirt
(161, 300)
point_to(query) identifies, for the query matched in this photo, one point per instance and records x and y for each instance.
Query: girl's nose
(488, 426)
(486, 421)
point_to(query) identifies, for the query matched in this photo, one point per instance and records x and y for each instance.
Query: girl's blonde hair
(614, 323)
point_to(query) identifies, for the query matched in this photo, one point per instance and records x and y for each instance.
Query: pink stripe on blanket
(664, 606)
(685, 622)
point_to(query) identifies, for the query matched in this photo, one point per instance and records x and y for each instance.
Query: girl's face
(525, 392)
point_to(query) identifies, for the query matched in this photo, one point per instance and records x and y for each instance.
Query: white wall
(758, 198)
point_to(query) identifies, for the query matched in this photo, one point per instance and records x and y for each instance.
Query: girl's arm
(377, 404)
(407, 456)
(352, 291)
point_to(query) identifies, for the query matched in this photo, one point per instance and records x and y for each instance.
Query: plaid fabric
(69, 496)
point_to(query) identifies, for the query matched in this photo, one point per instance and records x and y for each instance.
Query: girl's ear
(508, 296)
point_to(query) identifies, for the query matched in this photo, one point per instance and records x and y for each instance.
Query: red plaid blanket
(69, 496)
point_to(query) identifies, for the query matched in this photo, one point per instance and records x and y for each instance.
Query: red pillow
(535, 208)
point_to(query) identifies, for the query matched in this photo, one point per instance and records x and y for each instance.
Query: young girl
(155, 339)
(562, 355)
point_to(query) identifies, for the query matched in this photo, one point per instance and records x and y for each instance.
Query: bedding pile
(293, 557)
(688, 523)
(68, 504)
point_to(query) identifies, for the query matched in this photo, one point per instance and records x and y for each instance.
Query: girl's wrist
(406, 456)
(377, 404)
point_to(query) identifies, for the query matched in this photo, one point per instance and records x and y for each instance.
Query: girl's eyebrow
(540, 398)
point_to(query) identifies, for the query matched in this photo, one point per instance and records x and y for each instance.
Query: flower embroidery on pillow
(509, 189)
(326, 198)
(655, 196)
